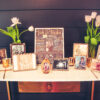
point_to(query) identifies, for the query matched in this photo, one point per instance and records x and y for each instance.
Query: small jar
(5, 62)
(89, 60)
(71, 61)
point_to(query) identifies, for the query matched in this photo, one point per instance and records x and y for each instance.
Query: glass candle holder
(71, 61)
(89, 60)
(5, 62)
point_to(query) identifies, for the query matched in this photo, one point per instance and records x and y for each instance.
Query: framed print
(25, 61)
(95, 65)
(49, 43)
(98, 53)
(46, 66)
(17, 49)
(60, 64)
(3, 54)
(80, 49)
(80, 62)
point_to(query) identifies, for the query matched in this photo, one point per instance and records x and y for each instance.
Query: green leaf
(94, 41)
(5, 32)
(86, 39)
(98, 38)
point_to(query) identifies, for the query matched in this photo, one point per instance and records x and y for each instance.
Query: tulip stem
(23, 32)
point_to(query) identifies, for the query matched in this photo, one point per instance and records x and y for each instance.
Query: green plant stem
(90, 30)
(17, 31)
(23, 32)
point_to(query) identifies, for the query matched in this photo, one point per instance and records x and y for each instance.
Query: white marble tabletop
(54, 76)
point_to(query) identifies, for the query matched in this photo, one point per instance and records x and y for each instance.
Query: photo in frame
(3, 54)
(17, 49)
(95, 65)
(49, 43)
(60, 64)
(80, 62)
(80, 49)
(25, 61)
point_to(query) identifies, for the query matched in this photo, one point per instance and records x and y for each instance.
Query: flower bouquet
(93, 33)
(13, 30)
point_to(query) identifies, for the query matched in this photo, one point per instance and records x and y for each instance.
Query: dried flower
(88, 18)
(93, 15)
(31, 28)
(15, 21)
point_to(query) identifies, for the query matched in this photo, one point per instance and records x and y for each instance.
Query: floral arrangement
(13, 30)
(93, 33)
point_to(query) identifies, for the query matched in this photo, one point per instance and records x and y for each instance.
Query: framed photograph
(17, 49)
(3, 54)
(80, 49)
(98, 53)
(95, 65)
(49, 43)
(24, 62)
(80, 62)
(60, 64)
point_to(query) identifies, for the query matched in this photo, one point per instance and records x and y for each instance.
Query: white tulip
(15, 21)
(98, 18)
(97, 23)
(31, 28)
(93, 15)
(88, 18)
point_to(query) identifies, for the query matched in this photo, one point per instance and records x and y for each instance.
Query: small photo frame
(80, 62)
(22, 62)
(3, 54)
(60, 64)
(80, 49)
(17, 49)
(95, 64)
(98, 53)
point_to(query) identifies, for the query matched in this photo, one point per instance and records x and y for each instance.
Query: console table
(53, 81)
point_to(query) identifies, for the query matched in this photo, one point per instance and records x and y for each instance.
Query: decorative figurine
(46, 66)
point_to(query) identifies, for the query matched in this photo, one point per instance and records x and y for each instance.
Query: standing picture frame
(3, 54)
(17, 49)
(80, 49)
(24, 62)
(60, 64)
(49, 43)
(80, 62)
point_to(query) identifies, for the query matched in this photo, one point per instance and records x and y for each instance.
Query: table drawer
(45, 87)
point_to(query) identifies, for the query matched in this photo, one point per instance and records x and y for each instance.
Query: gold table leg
(92, 91)
(8, 90)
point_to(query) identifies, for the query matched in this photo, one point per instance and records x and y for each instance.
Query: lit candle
(5, 62)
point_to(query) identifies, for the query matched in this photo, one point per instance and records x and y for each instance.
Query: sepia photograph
(80, 49)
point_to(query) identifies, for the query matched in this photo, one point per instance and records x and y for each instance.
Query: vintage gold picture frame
(80, 49)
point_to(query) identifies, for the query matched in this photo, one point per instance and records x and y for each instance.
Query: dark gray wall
(48, 13)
